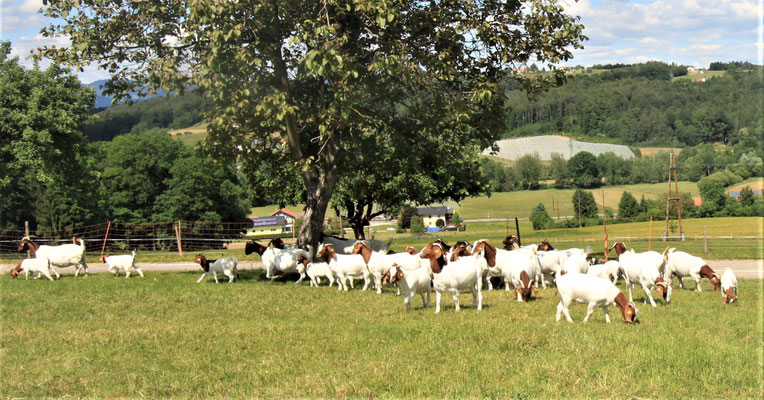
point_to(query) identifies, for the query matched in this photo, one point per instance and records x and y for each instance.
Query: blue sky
(690, 32)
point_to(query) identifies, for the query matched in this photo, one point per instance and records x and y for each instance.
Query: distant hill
(104, 101)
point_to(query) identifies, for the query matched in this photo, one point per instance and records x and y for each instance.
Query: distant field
(706, 74)
(652, 151)
(165, 336)
(753, 183)
(192, 135)
(521, 203)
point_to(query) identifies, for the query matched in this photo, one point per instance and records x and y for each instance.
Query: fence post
(177, 237)
(705, 240)
(650, 235)
(103, 247)
(604, 220)
(26, 234)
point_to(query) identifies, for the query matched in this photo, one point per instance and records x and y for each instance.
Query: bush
(628, 207)
(417, 225)
(540, 218)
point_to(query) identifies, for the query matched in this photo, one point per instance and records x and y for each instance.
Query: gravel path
(742, 268)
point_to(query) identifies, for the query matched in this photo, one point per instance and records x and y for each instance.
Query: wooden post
(604, 220)
(678, 198)
(74, 240)
(650, 235)
(342, 227)
(293, 228)
(579, 211)
(26, 234)
(517, 229)
(177, 237)
(103, 247)
(705, 240)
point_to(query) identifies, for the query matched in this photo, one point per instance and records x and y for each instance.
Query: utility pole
(669, 198)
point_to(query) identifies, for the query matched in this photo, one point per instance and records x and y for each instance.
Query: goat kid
(344, 266)
(412, 282)
(729, 286)
(315, 270)
(122, 263)
(225, 266)
(39, 265)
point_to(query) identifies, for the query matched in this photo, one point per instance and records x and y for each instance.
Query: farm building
(435, 216)
(269, 225)
(290, 216)
(545, 146)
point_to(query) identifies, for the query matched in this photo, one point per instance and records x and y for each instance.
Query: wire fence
(117, 237)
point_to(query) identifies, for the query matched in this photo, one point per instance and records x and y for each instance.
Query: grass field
(706, 74)
(192, 135)
(165, 336)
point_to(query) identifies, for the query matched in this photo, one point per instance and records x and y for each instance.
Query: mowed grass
(165, 336)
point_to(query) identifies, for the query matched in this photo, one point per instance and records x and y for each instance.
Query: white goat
(550, 262)
(123, 263)
(575, 263)
(463, 274)
(39, 265)
(379, 263)
(226, 266)
(521, 272)
(65, 255)
(729, 286)
(644, 269)
(314, 270)
(681, 265)
(344, 266)
(413, 282)
(607, 270)
(594, 292)
(277, 260)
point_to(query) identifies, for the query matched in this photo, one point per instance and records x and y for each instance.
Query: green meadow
(166, 336)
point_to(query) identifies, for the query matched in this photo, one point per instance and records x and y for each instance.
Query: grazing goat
(595, 292)
(41, 265)
(225, 266)
(276, 260)
(681, 265)
(65, 255)
(607, 270)
(463, 274)
(644, 269)
(344, 266)
(315, 270)
(412, 282)
(379, 263)
(729, 286)
(122, 262)
(521, 271)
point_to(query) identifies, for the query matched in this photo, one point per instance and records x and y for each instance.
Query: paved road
(742, 268)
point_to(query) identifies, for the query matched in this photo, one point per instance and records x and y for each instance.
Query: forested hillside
(640, 104)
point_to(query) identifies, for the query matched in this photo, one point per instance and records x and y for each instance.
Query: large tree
(298, 82)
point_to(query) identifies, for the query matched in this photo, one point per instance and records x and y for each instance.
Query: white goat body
(575, 264)
(681, 265)
(594, 292)
(607, 270)
(62, 256)
(283, 261)
(644, 269)
(464, 274)
(345, 266)
(729, 286)
(379, 263)
(521, 271)
(345, 246)
(550, 263)
(122, 263)
(37, 264)
(413, 282)
(226, 266)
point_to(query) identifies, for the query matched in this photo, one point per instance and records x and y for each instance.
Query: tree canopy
(297, 83)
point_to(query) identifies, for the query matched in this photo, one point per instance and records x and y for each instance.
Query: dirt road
(743, 268)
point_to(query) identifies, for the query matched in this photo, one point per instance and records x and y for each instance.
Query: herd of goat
(444, 268)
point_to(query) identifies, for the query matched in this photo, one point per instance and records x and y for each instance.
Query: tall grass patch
(165, 336)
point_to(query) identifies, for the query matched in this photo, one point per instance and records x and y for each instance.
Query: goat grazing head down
(620, 248)
(254, 247)
(509, 242)
(628, 309)
(326, 251)
(488, 251)
(545, 246)
(362, 248)
(729, 296)
(434, 251)
(707, 272)
(662, 288)
(15, 271)
(526, 287)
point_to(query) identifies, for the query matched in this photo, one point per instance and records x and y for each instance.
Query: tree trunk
(319, 191)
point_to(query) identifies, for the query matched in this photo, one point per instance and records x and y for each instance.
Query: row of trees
(584, 170)
(647, 111)
(716, 203)
(51, 176)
